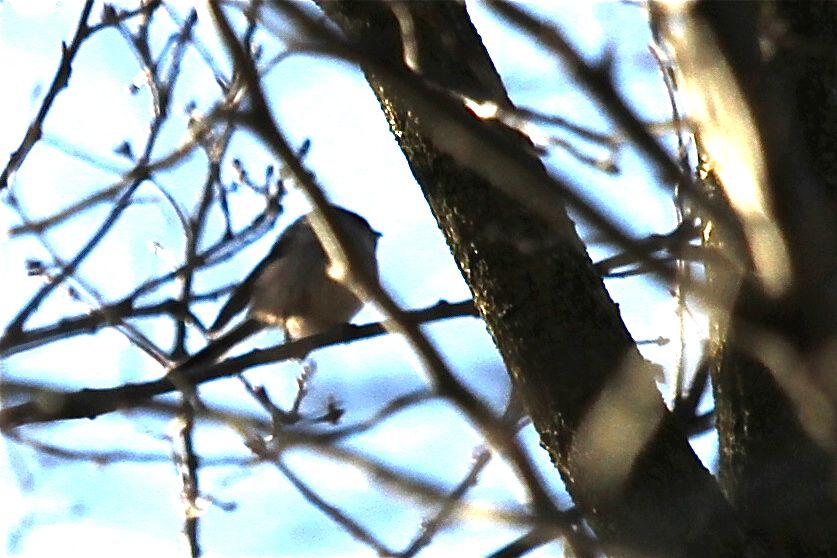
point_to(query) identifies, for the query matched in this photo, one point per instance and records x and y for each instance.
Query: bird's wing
(241, 296)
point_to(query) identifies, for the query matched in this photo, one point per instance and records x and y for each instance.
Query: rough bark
(590, 394)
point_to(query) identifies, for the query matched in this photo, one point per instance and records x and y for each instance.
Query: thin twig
(62, 79)
(186, 460)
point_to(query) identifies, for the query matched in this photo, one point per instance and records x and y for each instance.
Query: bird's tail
(218, 347)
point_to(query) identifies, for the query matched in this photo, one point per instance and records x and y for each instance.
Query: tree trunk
(769, 70)
(590, 394)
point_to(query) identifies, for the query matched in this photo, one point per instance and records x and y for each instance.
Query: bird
(296, 287)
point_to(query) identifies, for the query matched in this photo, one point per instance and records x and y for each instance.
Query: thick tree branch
(559, 333)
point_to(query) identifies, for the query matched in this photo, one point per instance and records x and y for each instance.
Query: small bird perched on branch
(296, 287)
